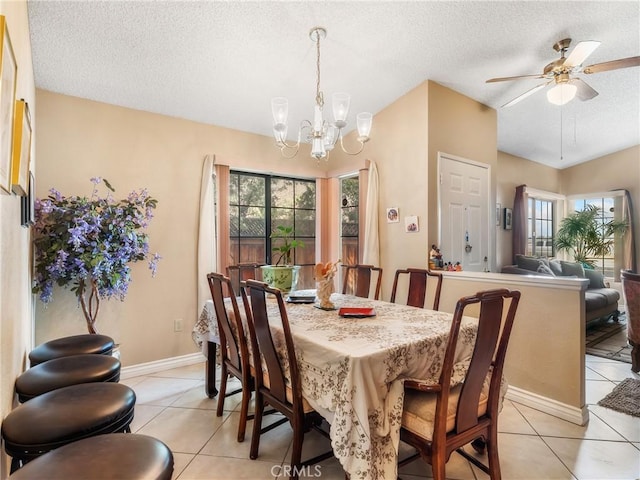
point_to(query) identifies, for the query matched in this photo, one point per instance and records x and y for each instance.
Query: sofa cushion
(528, 263)
(542, 268)
(594, 301)
(596, 279)
(555, 267)
(572, 268)
(600, 297)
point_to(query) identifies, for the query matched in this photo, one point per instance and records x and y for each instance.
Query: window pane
(305, 223)
(281, 192)
(305, 195)
(233, 189)
(251, 190)
(252, 222)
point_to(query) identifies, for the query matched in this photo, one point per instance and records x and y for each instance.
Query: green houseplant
(283, 274)
(87, 244)
(584, 234)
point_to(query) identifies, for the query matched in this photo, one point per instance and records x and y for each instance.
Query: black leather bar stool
(65, 371)
(73, 345)
(116, 456)
(65, 415)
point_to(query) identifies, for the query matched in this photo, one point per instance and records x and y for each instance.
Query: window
(540, 227)
(607, 208)
(257, 201)
(350, 221)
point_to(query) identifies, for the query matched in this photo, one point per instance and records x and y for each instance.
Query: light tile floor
(173, 407)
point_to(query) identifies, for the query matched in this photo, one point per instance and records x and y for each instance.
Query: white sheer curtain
(371, 254)
(206, 232)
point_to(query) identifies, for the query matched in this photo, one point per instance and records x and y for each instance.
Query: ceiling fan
(561, 73)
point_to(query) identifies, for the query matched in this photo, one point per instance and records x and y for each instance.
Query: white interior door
(463, 197)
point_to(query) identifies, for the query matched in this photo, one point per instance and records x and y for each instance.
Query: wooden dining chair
(233, 349)
(279, 385)
(357, 280)
(242, 272)
(417, 290)
(439, 419)
(631, 289)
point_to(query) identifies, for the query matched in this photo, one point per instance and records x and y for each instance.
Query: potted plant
(584, 234)
(283, 274)
(86, 245)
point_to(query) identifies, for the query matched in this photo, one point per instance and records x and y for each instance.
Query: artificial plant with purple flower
(87, 244)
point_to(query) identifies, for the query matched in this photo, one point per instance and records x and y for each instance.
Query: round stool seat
(116, 456)
(65, 371)
(67, 414)
(73, 345)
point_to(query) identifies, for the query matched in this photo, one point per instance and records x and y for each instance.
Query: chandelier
(322, 134)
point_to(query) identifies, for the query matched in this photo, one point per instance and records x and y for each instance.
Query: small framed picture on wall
(507, 218)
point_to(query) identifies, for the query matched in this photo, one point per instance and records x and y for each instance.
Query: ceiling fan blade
(526, 94)
(580, 53)
(584, 91)
(613, 65)
(504, 79)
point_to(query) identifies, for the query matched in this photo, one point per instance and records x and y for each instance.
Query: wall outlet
(177, 325)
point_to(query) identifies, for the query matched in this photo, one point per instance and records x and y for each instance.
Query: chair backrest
(417, 290)
(631, 288)
(488, 356)
(357, 280)
(230, 330)
(242, 272)
(280, 375)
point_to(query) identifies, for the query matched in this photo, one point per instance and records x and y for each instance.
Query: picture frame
(411, 224)
(21, 148)
(508, 218)
(8, 76)
(498, 211)
(27, 203)
(393, 215)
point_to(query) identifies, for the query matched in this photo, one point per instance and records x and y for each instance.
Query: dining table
(353, 367)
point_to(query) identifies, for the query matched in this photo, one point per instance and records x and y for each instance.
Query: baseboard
(160, 365)
(579, 416)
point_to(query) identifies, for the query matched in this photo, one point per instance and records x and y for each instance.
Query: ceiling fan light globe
(561, 93)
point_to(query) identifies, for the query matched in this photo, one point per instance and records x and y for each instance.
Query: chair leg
(224, 374)
(492, 453)
(257, 426)
(296, 451)
(438, 467)
(244, 412)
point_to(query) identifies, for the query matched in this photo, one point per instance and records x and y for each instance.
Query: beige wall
(511, 172)
(400, 154)
(15, 299)
(463, 127)
(617, 171)
(80, 139)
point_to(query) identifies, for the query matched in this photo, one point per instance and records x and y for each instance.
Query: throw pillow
(572, 268)
(596, 279)
(528, 263)
(555, 267)
(542, 268)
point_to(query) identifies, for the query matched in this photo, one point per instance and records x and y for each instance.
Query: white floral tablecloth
(353, 370)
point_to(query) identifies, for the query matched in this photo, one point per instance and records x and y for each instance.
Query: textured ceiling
(221, 62)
